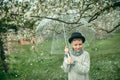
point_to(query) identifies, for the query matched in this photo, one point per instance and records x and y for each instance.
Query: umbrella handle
(68, 54)
(66, 39)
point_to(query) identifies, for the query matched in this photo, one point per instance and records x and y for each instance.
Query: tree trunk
(2, 55)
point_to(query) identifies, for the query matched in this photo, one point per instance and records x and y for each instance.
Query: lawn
(26, 64)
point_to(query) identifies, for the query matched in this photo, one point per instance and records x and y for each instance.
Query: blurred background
(33, 34)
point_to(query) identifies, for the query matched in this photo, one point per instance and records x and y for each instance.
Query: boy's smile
(77, 44)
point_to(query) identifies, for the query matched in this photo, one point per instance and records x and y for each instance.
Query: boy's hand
(70, 60)
(66, 49)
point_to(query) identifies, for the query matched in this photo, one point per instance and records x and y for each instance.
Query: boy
(76, 61)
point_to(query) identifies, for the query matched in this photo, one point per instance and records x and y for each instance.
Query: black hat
(76, 35)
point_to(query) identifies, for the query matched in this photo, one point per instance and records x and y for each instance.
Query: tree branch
(109, 31)
(95, 16)
(20, 14)
(83, 11)
(56, 19)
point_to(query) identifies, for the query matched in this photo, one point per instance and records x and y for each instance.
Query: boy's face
(77, 44)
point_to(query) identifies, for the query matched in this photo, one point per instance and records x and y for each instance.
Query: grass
(105, 62)
(25, 64)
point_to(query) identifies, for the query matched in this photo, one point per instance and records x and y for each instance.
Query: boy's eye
(75, 44)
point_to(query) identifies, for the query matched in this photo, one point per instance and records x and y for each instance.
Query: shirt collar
(77, 53)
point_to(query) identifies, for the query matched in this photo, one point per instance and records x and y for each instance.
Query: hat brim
(74, 37)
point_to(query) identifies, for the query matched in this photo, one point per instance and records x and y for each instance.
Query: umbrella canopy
(58, 33)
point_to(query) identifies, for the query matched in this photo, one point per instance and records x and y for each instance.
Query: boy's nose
(78, 46)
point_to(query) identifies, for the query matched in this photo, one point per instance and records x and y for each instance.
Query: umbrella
(57, 33)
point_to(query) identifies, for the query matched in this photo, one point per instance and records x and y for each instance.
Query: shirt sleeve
(66, 65)
(83, 66)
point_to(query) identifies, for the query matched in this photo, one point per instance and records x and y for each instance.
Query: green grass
(105, 60)
(40, 64)
(35, 65)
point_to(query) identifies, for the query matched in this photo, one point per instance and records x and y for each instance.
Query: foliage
(12, 16)
(20, 14)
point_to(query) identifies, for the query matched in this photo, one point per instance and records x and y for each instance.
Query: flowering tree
(12, 17)
(89, 10)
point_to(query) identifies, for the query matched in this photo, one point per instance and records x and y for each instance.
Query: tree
(79, 9)
(12, 17)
